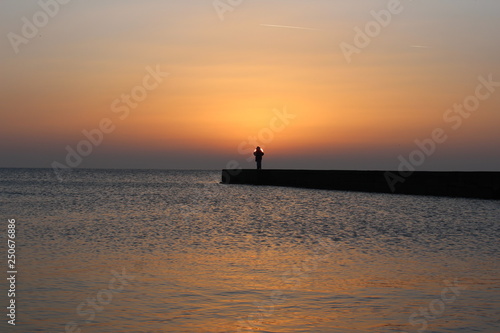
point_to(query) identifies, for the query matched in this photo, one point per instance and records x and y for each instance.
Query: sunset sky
(270, 71)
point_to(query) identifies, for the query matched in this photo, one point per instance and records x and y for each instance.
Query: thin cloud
(288, 27)
(419, 46)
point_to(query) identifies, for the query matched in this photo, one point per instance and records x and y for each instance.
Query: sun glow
(226, 81)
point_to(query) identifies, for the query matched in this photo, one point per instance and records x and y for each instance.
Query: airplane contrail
(419, 46)
(287, 26)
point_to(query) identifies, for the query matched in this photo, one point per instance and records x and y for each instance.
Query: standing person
(258, 153)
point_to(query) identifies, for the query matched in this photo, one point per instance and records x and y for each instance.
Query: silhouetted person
(258, 153)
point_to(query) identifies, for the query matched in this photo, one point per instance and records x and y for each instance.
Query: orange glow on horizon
(225, 81)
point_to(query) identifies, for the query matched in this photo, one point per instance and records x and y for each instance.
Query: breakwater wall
(484, 185)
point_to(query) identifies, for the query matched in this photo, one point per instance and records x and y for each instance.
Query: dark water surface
(175, 251)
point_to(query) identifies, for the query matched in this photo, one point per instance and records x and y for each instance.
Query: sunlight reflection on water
(207, 257)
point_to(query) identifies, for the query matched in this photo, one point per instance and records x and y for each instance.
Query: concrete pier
(484, 185)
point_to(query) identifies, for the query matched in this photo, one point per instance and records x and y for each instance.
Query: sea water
(176, 251)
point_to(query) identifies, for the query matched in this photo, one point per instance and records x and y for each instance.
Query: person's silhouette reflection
(258, 153)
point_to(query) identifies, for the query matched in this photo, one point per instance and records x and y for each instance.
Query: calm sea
(175, 251)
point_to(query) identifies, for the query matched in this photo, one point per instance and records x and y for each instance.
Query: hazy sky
(320, 84)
